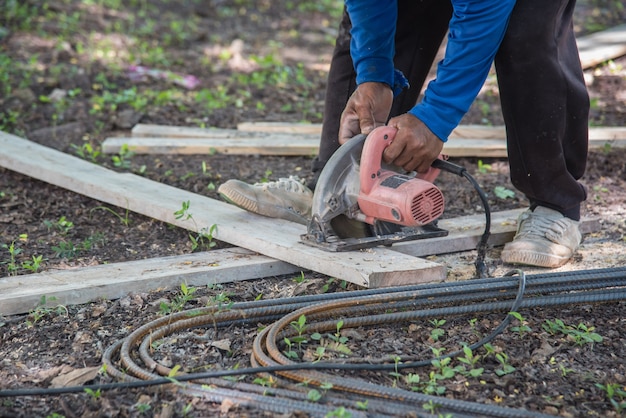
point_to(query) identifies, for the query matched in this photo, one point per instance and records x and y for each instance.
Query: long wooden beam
(273, 237)
(21, 294)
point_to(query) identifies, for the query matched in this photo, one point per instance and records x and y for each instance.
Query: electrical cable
(481, 247)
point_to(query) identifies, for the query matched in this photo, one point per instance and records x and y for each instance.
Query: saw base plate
(336, 244)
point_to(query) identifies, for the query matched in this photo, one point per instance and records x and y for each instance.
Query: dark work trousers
(544, 98)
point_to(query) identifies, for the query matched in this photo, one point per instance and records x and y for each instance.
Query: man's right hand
(367, 108)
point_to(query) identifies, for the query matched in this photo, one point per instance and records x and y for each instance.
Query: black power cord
(481, 247)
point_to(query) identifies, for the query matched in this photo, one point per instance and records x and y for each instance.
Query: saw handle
(372, 155)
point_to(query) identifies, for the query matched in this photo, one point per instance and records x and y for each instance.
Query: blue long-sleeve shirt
(475, 33)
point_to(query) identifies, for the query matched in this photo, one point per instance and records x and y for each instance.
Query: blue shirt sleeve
(476, 31)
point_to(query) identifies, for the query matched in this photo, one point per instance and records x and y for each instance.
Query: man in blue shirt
(544, 103)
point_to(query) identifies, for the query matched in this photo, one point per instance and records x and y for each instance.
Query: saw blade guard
(386, 195)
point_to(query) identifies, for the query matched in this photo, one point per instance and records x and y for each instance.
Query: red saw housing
(386, 195)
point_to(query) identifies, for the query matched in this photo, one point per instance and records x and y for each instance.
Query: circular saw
(359, 203)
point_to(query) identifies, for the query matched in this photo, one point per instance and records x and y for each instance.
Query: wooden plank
(297, 145)
(265, 145)
(602, 46)
(596, 133)
(465, 232)
(273, 237)
(21, 294)
(281, 127)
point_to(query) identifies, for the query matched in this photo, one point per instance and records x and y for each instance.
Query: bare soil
(218, 40)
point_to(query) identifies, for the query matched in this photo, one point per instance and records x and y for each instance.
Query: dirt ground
(65, 83)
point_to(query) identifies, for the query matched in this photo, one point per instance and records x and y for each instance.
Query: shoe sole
(533, 259)
(234, 197)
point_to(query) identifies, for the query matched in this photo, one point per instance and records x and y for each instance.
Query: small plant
(313, 395)
(123, 217)
(12, 265)
(505, 368)
(289, 352)
(62, 225)
(87, 152)
(95, 394)
(564, 370)
(265, 381)
(362, 405)
(433, 408)
(616, 394)
(179, 301)
(522, 328)
(470, 360)
(396, 372)
(580, 334)
(42, 311)
(443, 365)
(483, 168)
(319, 353)
(65, 249)
(503, 193)
(335, 342)
(122, 159)
(339, 341)
(203, 239)
(340, 412)
(266, 176)
(299, 279)
(33, 264)
(300, 327)
(437, 332)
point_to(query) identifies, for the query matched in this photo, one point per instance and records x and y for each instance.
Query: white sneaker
(286, 198)
(544, 238)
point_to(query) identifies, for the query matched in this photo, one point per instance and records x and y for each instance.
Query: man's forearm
(372, 46)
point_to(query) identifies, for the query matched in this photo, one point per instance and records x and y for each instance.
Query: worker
(544, 101)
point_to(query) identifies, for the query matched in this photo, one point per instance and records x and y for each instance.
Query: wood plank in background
(264, 145)
(602, 46)
(465, 141)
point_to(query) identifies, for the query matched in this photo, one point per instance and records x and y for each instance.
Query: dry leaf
(76, 377)
(226, 405)
(222, 344)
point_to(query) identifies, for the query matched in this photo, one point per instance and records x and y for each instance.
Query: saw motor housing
(386, 195)
(359, 204)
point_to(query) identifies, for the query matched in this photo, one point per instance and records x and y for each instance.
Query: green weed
(122, 159)
(522, 328)
(437, 331)
(616, 395)
(179, 301)
(42, 310)
(581, 334)
(61, 225)
(505, 366)
(14, 251)
(503, 193)
(87, 152)
(123, 217)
